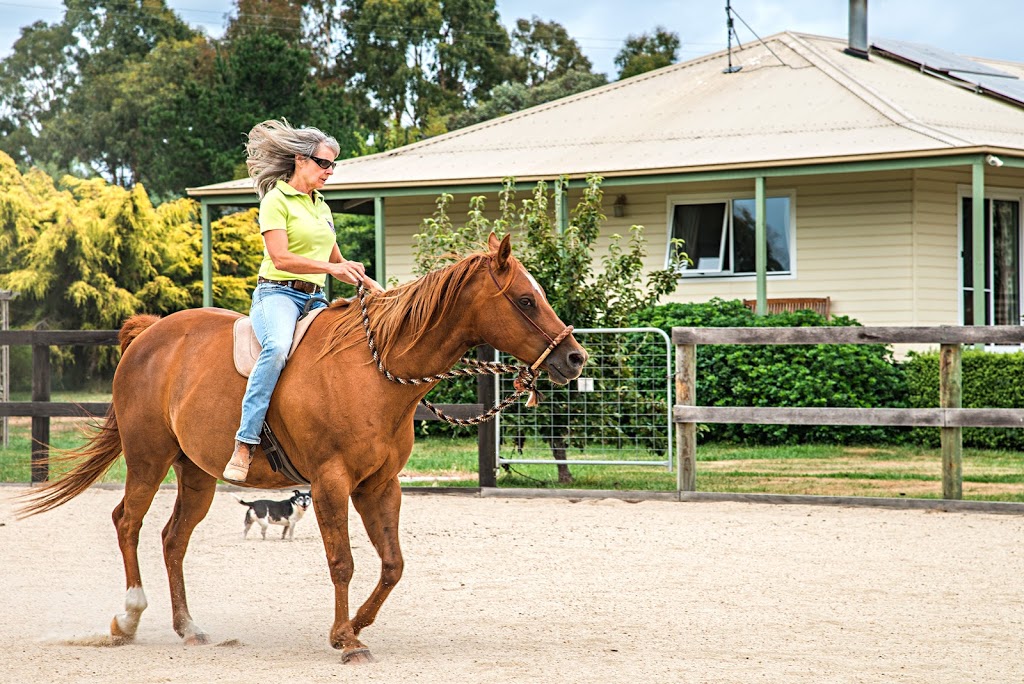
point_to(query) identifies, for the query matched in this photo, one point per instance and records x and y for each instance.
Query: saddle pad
(246, 347)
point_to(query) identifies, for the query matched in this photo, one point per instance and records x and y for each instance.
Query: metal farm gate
(619, 412)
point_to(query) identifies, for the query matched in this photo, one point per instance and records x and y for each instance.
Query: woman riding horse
(176, 398)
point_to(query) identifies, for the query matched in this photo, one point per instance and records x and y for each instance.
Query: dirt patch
(530, 590)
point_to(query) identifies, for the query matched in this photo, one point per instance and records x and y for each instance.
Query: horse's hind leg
(195, 494)
(140, 486)
(380, 511)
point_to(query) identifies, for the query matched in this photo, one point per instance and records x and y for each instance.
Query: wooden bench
(821, 305)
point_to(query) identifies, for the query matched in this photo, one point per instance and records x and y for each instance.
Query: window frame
(728, 198)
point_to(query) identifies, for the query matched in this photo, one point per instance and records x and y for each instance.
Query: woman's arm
(339, 267)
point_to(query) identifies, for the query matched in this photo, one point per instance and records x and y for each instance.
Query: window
(1003, 263)
(718, 236)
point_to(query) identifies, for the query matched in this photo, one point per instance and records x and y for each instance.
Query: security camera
(993, 160)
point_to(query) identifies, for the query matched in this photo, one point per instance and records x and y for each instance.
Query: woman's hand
(371, 284)
(348, 271)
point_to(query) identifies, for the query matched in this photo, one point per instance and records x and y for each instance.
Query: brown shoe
(237, 468)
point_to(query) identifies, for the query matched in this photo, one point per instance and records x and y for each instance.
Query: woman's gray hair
(272, 147)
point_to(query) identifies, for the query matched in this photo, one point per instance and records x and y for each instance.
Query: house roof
(798, 99)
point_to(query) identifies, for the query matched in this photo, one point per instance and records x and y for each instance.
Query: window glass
(720, 236)
(776, 229)
(702, 229)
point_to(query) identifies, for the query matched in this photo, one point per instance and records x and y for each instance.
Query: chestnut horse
(177, 402)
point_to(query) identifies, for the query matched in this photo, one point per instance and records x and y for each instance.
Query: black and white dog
(267, 512)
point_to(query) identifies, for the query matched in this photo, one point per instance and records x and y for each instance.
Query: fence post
(486, 432)
(686, 433)
(951, 438)
(40, 424)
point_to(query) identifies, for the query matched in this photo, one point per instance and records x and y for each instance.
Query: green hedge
(990, 380)
(857, 376)
(849, 375)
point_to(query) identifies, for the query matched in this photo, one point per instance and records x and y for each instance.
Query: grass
(829, 470)
(832, 470)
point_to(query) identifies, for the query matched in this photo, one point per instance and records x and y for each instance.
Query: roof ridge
(871, 98)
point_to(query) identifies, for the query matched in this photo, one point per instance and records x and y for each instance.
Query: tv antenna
(729, 12)
(730, 32)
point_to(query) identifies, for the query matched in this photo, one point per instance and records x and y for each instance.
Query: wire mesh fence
(619, 412)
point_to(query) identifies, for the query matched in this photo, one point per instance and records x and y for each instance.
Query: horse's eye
(525, 302)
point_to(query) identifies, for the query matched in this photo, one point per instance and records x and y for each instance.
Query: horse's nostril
(577, 359)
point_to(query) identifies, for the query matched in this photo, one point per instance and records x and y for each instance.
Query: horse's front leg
(330, 500)
(380, 512)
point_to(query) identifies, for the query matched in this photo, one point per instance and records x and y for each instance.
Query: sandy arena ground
(531, 590)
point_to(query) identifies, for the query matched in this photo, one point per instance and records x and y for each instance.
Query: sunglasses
(323, 163)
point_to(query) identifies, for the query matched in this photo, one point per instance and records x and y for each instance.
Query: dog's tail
(241, 501)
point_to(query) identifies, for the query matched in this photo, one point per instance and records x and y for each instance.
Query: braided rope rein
(524, 382)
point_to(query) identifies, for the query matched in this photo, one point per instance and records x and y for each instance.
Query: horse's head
(517, 319)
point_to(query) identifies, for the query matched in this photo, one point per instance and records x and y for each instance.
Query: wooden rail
(949, 417)
(41, 409)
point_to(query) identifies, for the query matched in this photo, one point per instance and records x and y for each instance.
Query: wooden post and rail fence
(41, 409)
(949, 417)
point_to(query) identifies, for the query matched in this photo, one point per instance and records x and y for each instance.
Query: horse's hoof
(357, 656)
(117, 636)
(200, 639)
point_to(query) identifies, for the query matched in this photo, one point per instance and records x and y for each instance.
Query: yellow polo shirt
(309, 224)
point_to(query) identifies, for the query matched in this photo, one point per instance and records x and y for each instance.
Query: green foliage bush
(990, 380)
(857, 376)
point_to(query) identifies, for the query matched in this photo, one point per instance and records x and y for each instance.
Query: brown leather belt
(300, 285)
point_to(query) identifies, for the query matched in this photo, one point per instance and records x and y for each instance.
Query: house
(888, 179)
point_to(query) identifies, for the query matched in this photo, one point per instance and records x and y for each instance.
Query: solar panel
(985, 78)
(1010, 88)
(935, 58)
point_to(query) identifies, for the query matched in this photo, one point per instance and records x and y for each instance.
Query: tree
(511, 97)
(544, 50)
(563, 262)
(647, 52)
(59, 95)
(420, 60)
(34, 81)
(282, 18)
(85, 254)
(125, 90)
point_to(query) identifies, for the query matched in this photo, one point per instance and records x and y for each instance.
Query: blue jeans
(274, 312)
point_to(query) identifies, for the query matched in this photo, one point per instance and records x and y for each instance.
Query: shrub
(989, 381)
(847, 375)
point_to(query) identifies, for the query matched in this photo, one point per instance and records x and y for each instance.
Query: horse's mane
(400, 317)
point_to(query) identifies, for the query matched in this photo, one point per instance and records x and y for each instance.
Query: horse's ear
(501, 250)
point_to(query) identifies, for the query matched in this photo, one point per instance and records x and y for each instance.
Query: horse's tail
(91, 462)
(133, 327)
(95, 458)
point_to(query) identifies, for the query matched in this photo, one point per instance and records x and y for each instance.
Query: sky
(978, 28)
